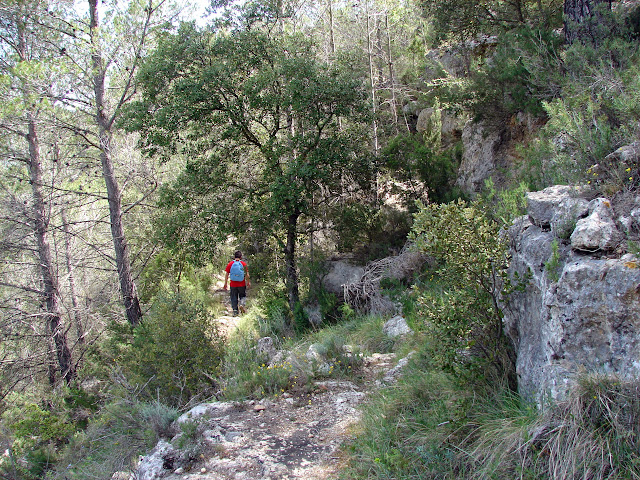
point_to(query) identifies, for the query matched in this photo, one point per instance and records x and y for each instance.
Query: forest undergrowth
(455, 413)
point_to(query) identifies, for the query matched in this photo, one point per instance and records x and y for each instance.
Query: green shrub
(552, 266)
(274, 316)
(507, 204)
(342, 359)
(189, 440)
(409, 158)
(158, 417)
(245, 373)
(594, 112)
(35, 434)
(463, 318)
(176, 351)
(122, 430)
(520, 74)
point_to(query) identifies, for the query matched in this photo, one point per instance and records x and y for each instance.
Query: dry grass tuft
(593, 434)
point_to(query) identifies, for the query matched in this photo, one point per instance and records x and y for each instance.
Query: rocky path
(294, 436)
(291, 437)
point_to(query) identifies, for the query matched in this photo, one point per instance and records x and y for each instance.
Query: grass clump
(406, 429)
(428, 427)
(595, 433)
(124, 428)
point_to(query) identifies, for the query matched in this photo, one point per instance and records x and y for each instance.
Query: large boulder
(396, 327)
(339, 273)
(481, 142)
(560, 204)
(158, 463)
(598, 231)
(579, 308)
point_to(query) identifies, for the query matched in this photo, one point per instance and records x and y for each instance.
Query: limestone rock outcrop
(579, 306)
(481, 156)
(338, 273)
(396, 327)
(488, 150)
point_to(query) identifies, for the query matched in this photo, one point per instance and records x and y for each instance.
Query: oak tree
(257, 116)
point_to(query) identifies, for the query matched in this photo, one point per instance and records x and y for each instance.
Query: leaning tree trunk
(51, 294)
(583, 21)
(123, 263)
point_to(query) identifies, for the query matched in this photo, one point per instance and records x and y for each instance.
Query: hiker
(239, 274)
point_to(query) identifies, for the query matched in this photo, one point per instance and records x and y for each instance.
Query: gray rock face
(629, 219)
(558, 204)
(396, 326)
(598, 231)
(578, 312)
(156, 464)
(628, 154)
(340, 272)
(481, 143)
(488, 150)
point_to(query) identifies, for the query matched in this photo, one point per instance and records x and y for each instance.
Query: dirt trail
(293, 436)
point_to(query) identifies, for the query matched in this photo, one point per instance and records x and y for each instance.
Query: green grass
(406, 429)
(428, 427)
(343, 345)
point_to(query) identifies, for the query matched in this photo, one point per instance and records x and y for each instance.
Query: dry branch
(365, 296)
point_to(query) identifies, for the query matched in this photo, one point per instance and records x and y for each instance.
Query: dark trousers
(237, 294)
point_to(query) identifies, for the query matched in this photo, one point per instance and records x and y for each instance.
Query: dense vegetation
(139, 152)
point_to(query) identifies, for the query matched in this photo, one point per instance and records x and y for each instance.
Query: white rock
(396, 327)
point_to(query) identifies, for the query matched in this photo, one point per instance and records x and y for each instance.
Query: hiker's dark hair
(238, 254)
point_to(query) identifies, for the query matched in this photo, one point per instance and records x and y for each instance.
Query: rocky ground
(294, 436)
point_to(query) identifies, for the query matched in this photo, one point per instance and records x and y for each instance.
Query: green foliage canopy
(466, 19)
(257, 119)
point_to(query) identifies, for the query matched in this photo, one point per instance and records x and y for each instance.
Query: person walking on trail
(238, 273)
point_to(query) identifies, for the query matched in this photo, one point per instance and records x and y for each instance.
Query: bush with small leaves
(464, 319)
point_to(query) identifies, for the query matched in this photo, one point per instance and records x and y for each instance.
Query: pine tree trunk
(582, 19)
(51, 294)
(127, 285)
(57, 340)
